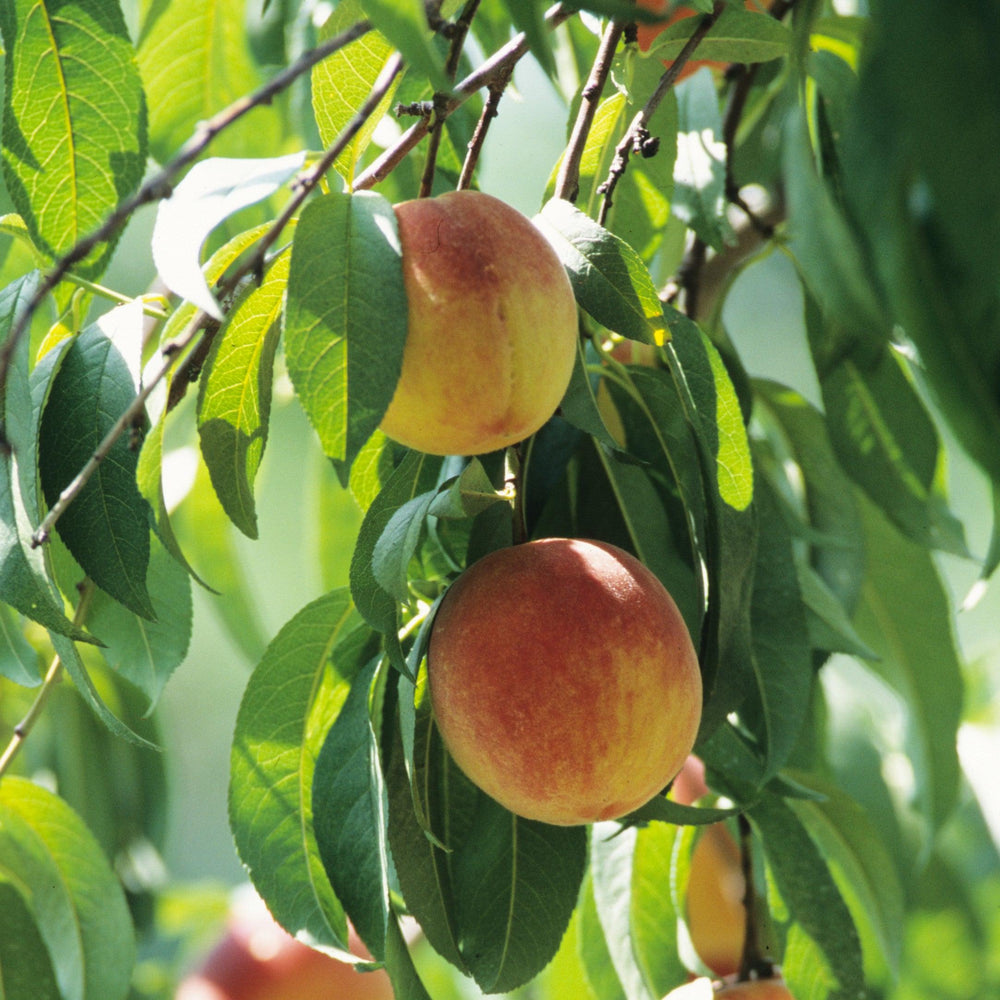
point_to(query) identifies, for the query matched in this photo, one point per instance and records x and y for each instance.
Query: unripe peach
(492, 327)
(564, 680)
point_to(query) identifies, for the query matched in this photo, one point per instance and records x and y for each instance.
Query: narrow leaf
(25, 970)
(106, 527)
(404, 23)
(213, 190)
(297, 689)
(18, 660)
(24, 578)
(74, 119)
(234, 401)
(345, 317)
(739, 36)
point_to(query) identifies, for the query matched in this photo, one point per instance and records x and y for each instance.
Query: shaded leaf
(18, 660)
(404, 23)
(74, 121)
(25, 970)
(738, 36)
(106, 527)
(609, 278)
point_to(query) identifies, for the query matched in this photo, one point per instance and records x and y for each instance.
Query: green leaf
(397, 545)
(468, 494)
(609, 278)
(349, 813)
(24, 578)
(653, 918)
(78, 904)
(415, 475)
(906, 618)
(818, 911)
(297, 689)
(25, 970)
(404, 23)
(612, 852)
(106, 527)
(738, 36)
(234, 400)
(664, 810)
(516, 884)
(700, 169)
(342, 82)
(210, 193)
(74, 122)
(837, 549)
(528, 16)
(830, 627)
(884, 437)
(345, 317)
(782, 655)
(18, 660)
(864, 872)
(195, 62)
(592, 948)
(147, 652)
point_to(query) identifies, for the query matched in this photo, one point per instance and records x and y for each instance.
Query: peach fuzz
(492, 327)
(564, 680)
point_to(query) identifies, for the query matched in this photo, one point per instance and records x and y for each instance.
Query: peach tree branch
(159, 185)
(253, 265)
(637, 138)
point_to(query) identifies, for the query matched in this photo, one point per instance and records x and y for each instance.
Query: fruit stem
(753, 963)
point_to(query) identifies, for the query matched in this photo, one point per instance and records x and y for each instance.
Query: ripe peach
(564, 680)
(257, 960)
(492, 332)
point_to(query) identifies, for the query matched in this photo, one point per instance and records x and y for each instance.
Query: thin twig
(51, 679)
(490, 111)
(158, 186)
(459, 32)
(637, 138)
(252, 264)
(502, 61)
(568, 179)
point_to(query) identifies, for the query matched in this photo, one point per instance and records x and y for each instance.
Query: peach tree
(243, 160)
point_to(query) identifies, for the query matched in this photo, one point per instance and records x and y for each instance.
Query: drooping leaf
(24, 578)
(77, 901)
(612, 852)
(74, 119)
(195, 62)
(609, 278)
(297, 690)
(345, 317)
(821, 922)
(212, 190)
(592, 948)
(349, 813)
(234, 401)
(516, 883)
(342, 83)
(25, 968)
(147, 652)
(106, 527)
(18, 660)
(883, 435)
(905, 616)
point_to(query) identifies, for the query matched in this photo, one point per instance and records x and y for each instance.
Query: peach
(564, 680)
(716, 916)
(492, 327)
(773, 988)
(257, 960)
